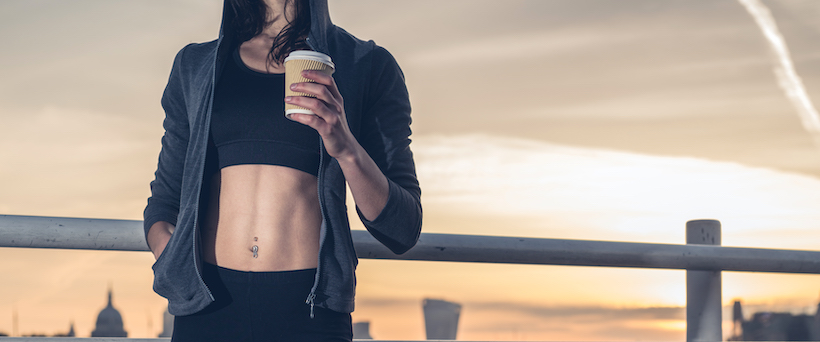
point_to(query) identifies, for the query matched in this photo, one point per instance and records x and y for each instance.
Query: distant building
(167, 324)
(775, 326)
(361, 331)
(109, 322)
(70, 332)
(441, 319)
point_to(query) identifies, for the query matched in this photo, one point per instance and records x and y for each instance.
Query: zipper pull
(309, 301)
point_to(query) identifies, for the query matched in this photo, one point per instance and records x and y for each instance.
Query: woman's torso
(262, 217)
(274, 208)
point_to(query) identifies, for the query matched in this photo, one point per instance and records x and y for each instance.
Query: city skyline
(592, 119)
(730, 321)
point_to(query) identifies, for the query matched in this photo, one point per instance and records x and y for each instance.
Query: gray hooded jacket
(378, 113)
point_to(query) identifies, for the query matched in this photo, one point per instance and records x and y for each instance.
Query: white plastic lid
(311, 55)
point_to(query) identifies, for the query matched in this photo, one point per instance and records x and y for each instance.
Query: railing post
(703, 288)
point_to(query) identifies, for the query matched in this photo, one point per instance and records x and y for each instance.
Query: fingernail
(288, 98)
(293, 86)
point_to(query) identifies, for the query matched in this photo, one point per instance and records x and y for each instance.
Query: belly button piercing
(255, 250)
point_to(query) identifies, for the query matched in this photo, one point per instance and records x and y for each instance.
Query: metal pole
(127, 235)
(703, 288)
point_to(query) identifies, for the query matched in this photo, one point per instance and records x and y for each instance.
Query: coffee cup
(295, 63)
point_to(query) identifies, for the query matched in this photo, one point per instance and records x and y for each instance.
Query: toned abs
(262, 218)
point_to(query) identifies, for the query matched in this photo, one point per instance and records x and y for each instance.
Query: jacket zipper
(196, 217)
(312, 296)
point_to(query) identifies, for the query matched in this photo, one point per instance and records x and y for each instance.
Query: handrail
(702, 257)
(127, 235)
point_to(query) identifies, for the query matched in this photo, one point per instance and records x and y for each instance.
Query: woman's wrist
(353, 156)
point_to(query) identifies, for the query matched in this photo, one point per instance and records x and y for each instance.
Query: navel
(255, 248)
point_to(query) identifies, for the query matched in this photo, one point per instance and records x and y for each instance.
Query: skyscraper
(441, 319)
(361, 331)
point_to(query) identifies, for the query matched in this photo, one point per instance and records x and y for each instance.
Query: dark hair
(250, 19)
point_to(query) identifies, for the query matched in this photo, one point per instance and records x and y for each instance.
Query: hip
(261, 306)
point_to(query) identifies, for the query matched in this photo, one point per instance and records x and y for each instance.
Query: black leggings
(261, 306)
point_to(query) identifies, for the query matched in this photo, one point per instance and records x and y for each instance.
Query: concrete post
(703, 288)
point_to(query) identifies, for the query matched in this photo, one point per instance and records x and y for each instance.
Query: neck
(280, 13)
(254, 54)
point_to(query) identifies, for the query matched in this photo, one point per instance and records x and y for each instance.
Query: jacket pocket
(175, 276)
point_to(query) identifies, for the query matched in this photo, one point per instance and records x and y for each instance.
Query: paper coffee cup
(294, 64)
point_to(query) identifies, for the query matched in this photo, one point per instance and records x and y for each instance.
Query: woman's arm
(380, 170)
(367, 183)
(160, 215)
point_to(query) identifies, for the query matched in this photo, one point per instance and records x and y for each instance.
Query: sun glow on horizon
(617, 195)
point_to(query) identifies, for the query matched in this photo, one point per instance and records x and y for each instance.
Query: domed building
(109, 322)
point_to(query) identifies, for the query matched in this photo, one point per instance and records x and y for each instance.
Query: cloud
(74, 162)
(56, 135)
(386, 301)
(572, 322)
(616, 194)
(585, 312)
(516, 48)
(493, 319)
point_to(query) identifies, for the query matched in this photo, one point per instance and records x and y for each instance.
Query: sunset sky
(577, 119)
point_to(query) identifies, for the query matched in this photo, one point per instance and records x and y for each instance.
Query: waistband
(273, 277)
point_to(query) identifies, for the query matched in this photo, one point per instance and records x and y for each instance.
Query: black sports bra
(248, 124)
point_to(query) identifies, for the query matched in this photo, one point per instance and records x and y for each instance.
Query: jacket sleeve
(163, 205)
(385, 136)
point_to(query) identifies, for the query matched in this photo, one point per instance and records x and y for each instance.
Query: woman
(247, 216)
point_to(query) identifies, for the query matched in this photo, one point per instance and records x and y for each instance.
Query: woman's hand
(367, 183)
(330, 120)
(158, 236)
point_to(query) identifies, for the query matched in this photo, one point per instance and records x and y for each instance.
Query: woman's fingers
(323, 79)
(319, 90)
(331, 126)
(307, 119)
(327, 103)
(328, 106)
(324, 86)
(326, 111)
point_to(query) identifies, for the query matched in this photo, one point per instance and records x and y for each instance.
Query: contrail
(784, 69)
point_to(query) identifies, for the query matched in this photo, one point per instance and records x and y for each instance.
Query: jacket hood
(320, 23)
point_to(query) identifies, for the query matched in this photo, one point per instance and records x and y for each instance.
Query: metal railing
(702, 257)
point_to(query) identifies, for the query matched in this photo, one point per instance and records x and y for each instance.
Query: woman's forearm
(366, 181)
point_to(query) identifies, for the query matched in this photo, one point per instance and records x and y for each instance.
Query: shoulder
(196, 53)
(193, 63)
(383, 62)
(354, 50)
(369, 60)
